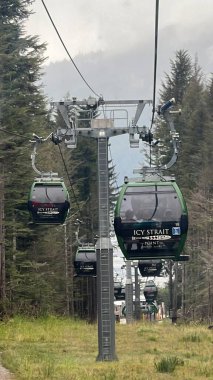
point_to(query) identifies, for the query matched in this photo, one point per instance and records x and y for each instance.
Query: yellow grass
(63, 349)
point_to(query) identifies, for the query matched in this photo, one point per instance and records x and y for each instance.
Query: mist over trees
(37, 275)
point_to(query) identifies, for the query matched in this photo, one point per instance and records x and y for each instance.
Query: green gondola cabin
(48, 201)
(85, 261)
(151, 220)
(150, 291)
(149, 268)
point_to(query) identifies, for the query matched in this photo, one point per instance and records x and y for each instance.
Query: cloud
(119, 26)
(112, 43)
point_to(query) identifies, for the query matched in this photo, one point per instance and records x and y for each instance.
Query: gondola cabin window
(50, 194)
(157, 203)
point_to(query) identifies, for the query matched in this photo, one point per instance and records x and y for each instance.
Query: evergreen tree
(192, 172)
(176, 83)
(22, 111)
(194, 120)
(174, 86)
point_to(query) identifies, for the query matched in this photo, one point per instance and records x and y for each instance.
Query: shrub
(168, 365)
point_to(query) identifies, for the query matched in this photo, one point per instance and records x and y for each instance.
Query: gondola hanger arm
(167, 113)
(37, 140)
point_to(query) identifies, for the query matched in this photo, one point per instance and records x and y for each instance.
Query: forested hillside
(193, 94)
(36, 270)
(36, 263)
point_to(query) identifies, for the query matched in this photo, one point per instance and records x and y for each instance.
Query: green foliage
(63, 348)
(84, 176)
(192, 338)
(168, 364)
(23, 111)
(176, 83)
(194, 175)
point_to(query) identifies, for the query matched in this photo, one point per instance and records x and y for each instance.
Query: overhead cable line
(71, 59)
(155, 58)
(12, 133)
(155, 74)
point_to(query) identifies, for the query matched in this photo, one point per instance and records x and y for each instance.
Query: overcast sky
(118, 26)
(112, 43)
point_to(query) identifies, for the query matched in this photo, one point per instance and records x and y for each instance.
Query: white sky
(115, 26)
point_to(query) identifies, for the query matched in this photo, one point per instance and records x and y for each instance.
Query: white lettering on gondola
(157, 237)
(48, 211)
(151, 232)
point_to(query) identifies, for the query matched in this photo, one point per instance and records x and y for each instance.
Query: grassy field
(56, 348)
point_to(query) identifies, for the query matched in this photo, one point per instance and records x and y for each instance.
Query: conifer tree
(22, 111)
(174, 86)
(193, 173)
(176, 83)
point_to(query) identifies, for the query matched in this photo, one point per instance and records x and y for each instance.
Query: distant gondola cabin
(85, 261)
(48, 201)
(150, 291)
(119, 291)
(148, 268)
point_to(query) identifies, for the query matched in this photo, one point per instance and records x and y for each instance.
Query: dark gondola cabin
(150, 291)
(48, 201)
(148, 268)
(119, 291)
(85, 261)
(151, 220)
